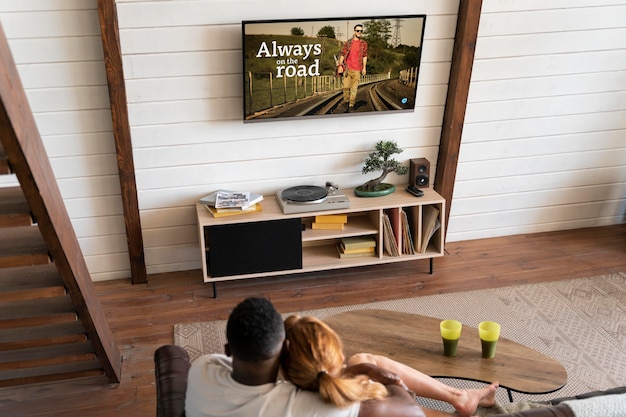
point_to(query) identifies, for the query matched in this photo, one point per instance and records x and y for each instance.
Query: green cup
(489, 333)
(450, 333)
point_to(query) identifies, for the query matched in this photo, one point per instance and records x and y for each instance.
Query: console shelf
(271, 243)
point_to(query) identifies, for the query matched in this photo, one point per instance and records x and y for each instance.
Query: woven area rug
(581, 323)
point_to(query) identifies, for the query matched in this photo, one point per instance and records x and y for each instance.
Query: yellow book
(357, 242)
(327, 226)
(359, 250)
(232, 212)
(332, 218)
(343, 255)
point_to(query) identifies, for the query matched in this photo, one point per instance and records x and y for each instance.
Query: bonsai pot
(381, 190)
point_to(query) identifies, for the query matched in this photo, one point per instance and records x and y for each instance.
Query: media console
(269, 243)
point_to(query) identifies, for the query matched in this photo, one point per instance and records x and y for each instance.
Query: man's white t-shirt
(212, 392)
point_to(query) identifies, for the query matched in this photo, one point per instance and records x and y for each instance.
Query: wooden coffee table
(415, 341)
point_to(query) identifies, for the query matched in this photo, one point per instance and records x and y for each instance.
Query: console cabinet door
(248, 248)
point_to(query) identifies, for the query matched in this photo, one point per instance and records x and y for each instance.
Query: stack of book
(330, 222)
(231, 203)
(358, 246)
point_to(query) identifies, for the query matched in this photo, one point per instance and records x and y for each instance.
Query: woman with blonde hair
(314, 360)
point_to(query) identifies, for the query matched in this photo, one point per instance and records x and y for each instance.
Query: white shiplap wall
(182, 64)
(57, 47)
(543, 145)
(544, 141)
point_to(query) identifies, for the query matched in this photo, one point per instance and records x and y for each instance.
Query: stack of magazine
(231, 203)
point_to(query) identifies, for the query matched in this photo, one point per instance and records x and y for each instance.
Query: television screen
(330, 67)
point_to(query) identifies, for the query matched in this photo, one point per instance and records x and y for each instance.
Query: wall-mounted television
(331, 67)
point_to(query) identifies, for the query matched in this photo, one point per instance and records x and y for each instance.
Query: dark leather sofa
(172, 365)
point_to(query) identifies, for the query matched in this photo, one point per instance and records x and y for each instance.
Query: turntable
(308, 198)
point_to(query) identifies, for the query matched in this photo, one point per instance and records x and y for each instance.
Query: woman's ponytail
(314, 361)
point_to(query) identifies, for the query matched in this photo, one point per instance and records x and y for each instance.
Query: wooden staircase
(52, 326)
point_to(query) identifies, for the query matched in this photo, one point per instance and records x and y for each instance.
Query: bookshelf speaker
(419, 172)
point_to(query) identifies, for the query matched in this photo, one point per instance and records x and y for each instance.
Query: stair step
(30, 282)
(46, 335)
(21, 246)
(14, 209)
(38, 321)
(16, 314)
(72, 370)
(46, 356)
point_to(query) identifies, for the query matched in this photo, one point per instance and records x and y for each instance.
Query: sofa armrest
(562, 410)
(558, 410)
(171, 367)
(617, 390)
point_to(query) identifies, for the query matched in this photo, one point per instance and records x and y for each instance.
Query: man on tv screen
(354, 57)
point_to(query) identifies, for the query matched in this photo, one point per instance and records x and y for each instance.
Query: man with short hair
(354, 55)
(245, 382)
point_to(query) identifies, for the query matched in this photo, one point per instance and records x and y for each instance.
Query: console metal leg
(510, 394)
(214, 290)
(431, 266)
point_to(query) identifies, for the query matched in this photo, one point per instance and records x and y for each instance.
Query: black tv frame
(301, 69)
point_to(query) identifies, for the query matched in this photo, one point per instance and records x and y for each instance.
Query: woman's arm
(373, 372)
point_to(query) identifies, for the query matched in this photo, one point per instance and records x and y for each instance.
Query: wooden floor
(142, 316)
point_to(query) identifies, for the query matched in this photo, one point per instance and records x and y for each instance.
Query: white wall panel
(84, 166)
(544, 145)
(156, 40)
(489, 111)
(522, 88)
(80, 144)
(37, 50)
(94, 207)
(543, 142)
(544, 126)
(176, 258)
(551, 19)
(536, 181)
(547, 65)
(164, 13)
(99, 226)
(75, 98)
(544, 198)
(487, 224)
(63, 74)
(257, 149)
(83, 187)
(57, 47)
(563, 42)
(71, 122)
(63, 23)
(108, 266)
(38, 5)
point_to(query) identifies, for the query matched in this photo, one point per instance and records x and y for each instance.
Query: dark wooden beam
(121, 131)
(456, 101)
(24, 148)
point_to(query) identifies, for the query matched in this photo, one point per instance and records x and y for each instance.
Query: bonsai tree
(380, 160)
